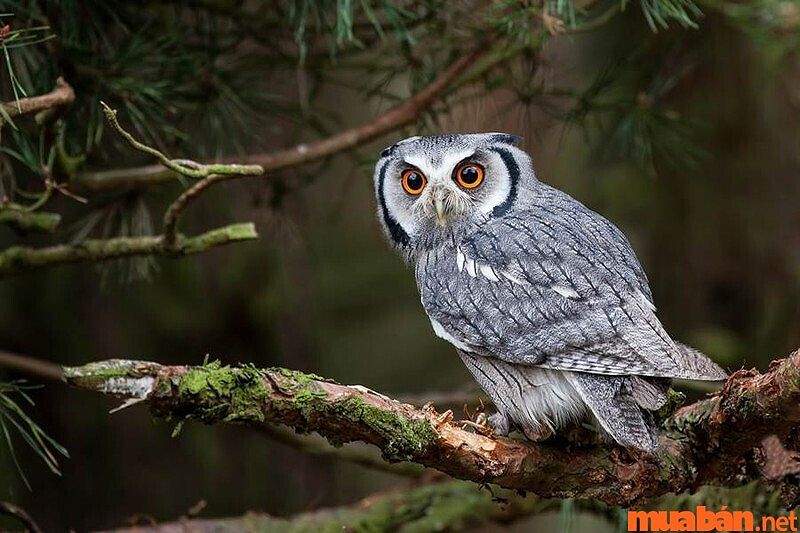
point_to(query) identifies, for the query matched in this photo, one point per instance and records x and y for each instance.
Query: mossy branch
(27, 221)
(701, 443)
(458, 506)
(19, 259)
(208, 174)
(444, 506)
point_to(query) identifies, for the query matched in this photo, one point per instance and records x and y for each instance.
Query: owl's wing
(556, 286)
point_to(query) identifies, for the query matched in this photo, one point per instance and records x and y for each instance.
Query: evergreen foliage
(251, 74)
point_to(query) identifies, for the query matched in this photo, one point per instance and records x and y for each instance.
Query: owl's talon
(499, 423)
(537, 434)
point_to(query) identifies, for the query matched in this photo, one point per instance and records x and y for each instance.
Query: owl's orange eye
(413, 181)
(469, 175)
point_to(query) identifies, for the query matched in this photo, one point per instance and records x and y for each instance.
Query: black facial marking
(398, 234)
(513, 174)
(506, 138)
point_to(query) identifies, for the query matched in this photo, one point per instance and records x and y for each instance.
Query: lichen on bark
(716, 440)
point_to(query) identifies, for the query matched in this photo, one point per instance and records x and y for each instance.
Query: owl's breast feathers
(555, 285)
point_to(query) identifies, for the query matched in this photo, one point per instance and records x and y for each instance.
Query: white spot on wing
(566, 292)
(471, 268)
(460, 259)
(474, 268)
(511, 277)
(488, 272)
(441, 333)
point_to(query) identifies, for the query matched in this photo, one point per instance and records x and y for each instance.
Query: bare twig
(177, 207)
(19, 259)
(185, 167)
(208, 175)
(62, 95)
(31, 366)
(20, 514)
(707, 442)
(393, 119)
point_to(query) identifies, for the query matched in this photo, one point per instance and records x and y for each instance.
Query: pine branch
(393, 119)
(27, 221)
(701, 443)
(19, 259)
(31, 366)
(61, 96)
(209, 174)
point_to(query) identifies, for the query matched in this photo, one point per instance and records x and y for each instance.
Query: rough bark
(713, 441)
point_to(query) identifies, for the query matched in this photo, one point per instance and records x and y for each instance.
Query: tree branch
(32, 366)
(391, 120)
(27, 221)
(19, 259)
(361, 455)
(445, 506)
(209, 174)
(62, 95)
(455, 506)
(710, 441)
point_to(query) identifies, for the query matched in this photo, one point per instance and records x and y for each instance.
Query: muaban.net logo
(703, 519)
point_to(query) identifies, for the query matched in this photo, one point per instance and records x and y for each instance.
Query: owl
(543, 299)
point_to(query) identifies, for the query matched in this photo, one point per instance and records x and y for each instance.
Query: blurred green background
(687, 138)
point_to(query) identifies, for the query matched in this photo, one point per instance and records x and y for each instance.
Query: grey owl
(544, 299)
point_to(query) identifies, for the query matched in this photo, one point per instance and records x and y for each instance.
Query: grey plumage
(545, 300)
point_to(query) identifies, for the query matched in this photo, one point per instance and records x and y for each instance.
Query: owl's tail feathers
(697, 365)
(614, 401)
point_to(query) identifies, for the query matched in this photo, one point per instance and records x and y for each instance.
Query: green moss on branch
(25, 222)
(706, 442)
(19, 259)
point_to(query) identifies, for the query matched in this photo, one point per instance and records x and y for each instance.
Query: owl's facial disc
(428, 184)
(445, 195)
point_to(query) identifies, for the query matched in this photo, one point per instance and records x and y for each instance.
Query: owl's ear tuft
(505, 138)
(390, 150)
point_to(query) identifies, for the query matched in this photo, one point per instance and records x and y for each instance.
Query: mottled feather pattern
(545, 300)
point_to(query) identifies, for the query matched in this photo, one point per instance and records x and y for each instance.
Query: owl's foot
(499, 423)
(537, 434)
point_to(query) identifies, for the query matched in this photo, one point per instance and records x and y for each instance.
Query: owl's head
(428, 187)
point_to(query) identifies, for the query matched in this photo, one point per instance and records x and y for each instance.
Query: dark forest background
(684, 134)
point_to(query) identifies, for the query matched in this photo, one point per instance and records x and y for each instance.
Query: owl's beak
(442, 203)
(438, 203)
